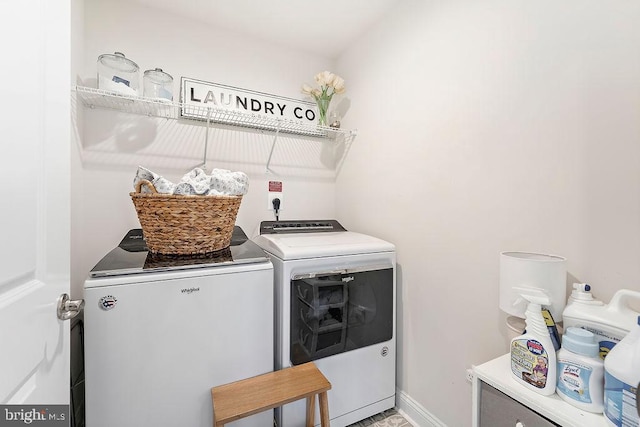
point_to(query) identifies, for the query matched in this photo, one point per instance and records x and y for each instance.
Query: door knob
(68, 309)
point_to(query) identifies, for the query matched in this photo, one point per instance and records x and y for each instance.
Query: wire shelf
(98, 98)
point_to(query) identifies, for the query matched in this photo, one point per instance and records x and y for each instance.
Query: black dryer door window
(334, 313)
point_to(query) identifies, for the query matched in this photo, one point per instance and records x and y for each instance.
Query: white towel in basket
(220, 182)
(225, 182)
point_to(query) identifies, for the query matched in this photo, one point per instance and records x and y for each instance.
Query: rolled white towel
(164, 186)
(143, 174)
(227, 183)
(194, 182)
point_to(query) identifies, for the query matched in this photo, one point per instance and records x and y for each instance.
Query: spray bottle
(533, 356)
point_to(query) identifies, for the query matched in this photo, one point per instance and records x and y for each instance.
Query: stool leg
(311, 410)
(324, 409)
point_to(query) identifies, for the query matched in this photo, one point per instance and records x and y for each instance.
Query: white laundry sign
(232, 105)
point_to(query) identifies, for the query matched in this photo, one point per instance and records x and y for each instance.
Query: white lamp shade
(532, 270)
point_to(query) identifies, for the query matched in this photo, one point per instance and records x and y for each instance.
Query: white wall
(110, 145)
(488, 126)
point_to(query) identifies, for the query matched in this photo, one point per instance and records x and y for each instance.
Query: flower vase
(323, 106)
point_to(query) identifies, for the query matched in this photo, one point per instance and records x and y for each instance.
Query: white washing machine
(335, 296)
(160, 331)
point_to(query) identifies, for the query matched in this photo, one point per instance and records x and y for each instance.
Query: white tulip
(306, 89)
(331, 79)
(324, 78)
(338, 85)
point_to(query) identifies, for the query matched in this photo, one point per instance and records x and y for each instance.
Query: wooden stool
(247, 397)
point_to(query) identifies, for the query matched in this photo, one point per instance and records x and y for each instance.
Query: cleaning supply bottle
(533, 357)
(622, 380)
(610, 323)
(580, 370)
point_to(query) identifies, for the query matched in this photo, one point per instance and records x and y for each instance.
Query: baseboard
(415, 413)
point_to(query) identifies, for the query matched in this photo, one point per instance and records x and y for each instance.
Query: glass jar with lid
(157, 84)
(118, 74)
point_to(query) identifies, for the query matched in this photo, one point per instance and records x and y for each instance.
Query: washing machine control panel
(312, 226)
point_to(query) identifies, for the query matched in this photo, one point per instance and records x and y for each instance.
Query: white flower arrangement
(330, 84)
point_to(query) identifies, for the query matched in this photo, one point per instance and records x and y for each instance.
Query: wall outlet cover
(274, 192)
(470, 375)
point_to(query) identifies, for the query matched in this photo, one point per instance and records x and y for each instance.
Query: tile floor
(388, 418)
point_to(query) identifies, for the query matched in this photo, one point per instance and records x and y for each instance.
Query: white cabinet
(500, 401)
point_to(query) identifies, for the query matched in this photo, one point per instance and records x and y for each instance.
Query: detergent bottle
(533, 356)
(609, 322)
(622, 380)
(580, 370)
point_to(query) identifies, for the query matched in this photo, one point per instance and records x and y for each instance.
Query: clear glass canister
(118, 74)
(158, 84)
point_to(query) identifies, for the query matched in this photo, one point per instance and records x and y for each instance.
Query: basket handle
(147, 184)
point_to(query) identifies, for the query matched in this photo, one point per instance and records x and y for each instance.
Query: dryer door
(340, 311)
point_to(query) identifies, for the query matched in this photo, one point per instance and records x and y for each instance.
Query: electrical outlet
(273, 195)
(470, 374)
(274, 192)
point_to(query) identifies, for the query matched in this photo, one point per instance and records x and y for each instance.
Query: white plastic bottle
(609, 322)
(580, 370)
(621, 380)
(533, 357)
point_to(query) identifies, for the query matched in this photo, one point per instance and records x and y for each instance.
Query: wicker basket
(185, 225)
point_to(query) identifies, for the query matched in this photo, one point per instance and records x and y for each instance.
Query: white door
(34, 211)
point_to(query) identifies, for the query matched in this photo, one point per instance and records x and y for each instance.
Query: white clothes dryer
(335, 296)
